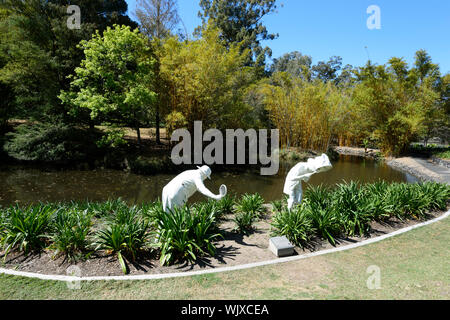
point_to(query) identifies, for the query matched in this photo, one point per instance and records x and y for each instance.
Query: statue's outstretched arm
(304, 177)
(203, 190)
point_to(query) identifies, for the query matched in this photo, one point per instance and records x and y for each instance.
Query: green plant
(319, 197)
(127, 235)
(107, 208)
(50, 142)
(225, 205)
(250, 203)
(244, 222)
(151, 210)
(436, 194)
(25, 229)
(277, 205)
(352, 216)
(69, 232)
(295, 224)
(185, 234)
(113, 239)
(324, 221)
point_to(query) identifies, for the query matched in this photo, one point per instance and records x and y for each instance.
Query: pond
(25, 185)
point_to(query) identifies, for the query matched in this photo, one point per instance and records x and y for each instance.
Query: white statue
(183, 186)
(303, 172)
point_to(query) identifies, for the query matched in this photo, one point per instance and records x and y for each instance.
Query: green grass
(413, 265)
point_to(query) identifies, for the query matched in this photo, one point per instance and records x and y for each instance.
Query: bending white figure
(183, 186)
(303, 172)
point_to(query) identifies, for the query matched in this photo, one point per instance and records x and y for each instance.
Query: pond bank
(421, 168)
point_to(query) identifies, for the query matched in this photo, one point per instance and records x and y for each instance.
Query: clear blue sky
(323, 28)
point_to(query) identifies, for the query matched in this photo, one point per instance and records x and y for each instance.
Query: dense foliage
(108, 73)
(350, 208)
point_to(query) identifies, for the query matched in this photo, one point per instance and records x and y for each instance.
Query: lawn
(414, 265)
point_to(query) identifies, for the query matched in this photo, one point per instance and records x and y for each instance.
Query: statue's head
(205, 171)
(320, 164)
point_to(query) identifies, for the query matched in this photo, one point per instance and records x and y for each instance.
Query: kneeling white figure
(178, 191)
(303, 172)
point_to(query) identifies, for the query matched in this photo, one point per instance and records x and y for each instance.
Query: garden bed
(236, 249)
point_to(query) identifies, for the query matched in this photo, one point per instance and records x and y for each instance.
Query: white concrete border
(218, 270)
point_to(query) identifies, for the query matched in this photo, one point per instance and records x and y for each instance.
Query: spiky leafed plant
(250, 203)
(26, 229)
(347, 199)
(186, 234)
(69, 232)
(295, 224)
(126, 234)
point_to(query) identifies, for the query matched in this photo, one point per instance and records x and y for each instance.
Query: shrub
(295, 224)
(105, 209)
(250, 204)
(186, 234)
(324, 221)
(353, 216)
(244, 222)
(151, 210)
(225, 205)
(126, 234)
(69, 232)
(25, 229)
(50, 142)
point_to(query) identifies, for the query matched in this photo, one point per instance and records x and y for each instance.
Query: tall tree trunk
(138, 131)
(158, 120)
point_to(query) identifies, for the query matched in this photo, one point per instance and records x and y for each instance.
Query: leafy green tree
(241, 21)
(207, 80)
(327, 71)
(391, 107)
(294, 63)
(114, 80)
(40, 51)
(157, 19)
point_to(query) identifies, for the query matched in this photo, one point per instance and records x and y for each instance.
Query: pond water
(25, 185)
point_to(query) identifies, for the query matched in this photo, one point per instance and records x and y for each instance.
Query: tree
(157, 19)
(114, 80)
(327, 71)
(207, 80)
(241, 21)
(308, 114)
(41, 51)
(392, 109)
(294, 63)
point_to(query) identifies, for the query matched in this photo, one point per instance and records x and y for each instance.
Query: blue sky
(323, 28)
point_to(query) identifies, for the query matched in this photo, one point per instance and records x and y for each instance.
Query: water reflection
(33, 185)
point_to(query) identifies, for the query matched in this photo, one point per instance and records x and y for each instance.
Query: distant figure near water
(303, 172)
(182, 187)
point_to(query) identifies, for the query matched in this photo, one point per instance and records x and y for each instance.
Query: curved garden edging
(224, 269)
